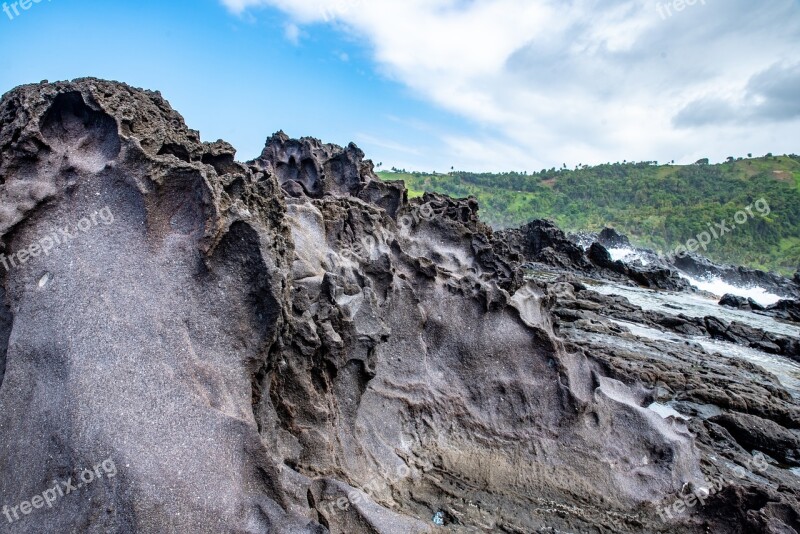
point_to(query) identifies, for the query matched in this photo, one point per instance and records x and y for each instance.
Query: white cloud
(292, 33)
(580, 81)
(771, 96)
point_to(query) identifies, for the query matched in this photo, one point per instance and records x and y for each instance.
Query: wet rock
(747, 336)
(680, 323)
(542, 242)
(787, 310)
(756, 433)
(651, 277)
(610, 238)
(599, 255)
(740, 303)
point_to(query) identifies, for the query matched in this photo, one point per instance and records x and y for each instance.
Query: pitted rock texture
(137, 340)
(542, 244)
(291, 345)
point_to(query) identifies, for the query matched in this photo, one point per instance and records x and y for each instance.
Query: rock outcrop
(541, 244)
(740, 303)
(788, 310)
(291, 345)
(651, 269)
(610, 238)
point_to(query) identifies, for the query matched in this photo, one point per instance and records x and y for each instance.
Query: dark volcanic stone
(599, 255)
(542, 242)
(610, 238)
(788, 310)
(756, 433)
(541, 235)
(740, 303)
(291, 345)
(135, 341)
(654, 277)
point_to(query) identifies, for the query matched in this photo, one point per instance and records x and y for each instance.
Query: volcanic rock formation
(292, 345)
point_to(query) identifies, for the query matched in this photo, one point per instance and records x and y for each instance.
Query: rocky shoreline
(292, 345)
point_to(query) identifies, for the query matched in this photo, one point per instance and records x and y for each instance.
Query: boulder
(740, 303)
(788, 310)
(610, 238)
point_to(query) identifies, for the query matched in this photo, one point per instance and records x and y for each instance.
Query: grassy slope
(658, 206)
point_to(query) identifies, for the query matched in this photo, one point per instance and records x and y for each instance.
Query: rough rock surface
(654, 269)
(610, 238)
(542, 244)
(291, 345)
(740, 303)
(788, 310)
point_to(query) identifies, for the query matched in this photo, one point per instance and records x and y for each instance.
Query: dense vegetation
(659, 206)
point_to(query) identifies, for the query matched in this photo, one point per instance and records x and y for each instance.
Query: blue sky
(430, 84)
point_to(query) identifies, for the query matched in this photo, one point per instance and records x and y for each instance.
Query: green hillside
(659, 206)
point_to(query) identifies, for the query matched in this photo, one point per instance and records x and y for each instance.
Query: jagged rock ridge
(253, 344)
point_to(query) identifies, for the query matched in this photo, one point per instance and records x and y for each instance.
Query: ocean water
(628, 255)
(786, 370)
(715, 285)
(719, 287)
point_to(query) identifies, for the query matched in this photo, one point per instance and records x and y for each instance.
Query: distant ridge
(658, 206)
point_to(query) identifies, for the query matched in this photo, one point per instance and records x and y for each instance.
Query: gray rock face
(610, 238)
(740, 303)
(135, 338)
(421, 366)
(762, 434)
(288, 345)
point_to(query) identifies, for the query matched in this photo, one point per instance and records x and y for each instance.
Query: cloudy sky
(430, 84)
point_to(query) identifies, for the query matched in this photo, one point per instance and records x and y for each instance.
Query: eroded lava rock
(291, 345)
